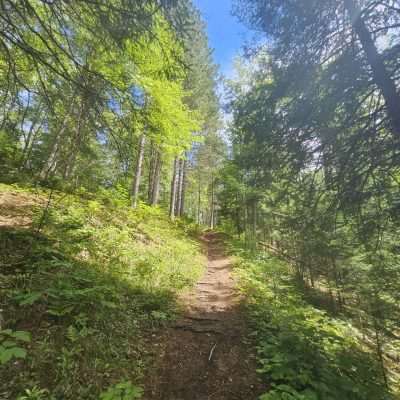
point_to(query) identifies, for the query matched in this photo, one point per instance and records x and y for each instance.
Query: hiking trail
(205, 355)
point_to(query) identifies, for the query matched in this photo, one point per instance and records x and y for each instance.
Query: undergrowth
(304, 354)
(81, 289)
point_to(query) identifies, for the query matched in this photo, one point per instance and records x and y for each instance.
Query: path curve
(204, 356)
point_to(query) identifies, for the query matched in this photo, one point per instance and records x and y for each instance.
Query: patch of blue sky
(226, 34)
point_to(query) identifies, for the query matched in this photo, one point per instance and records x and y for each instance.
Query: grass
(87, 282)
(303, 352)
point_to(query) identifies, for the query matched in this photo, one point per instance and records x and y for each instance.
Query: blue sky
(226, 35)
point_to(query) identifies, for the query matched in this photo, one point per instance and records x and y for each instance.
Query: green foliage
(34, 394)
(310, 180)
(303, 352)
(89, 286)
(10, 344)
(75, 119)
(122, 391)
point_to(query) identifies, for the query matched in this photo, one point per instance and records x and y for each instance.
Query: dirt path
(204, 356)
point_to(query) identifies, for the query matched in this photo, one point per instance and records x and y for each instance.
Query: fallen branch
(212, 351)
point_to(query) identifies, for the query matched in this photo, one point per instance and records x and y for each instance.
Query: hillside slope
(83, 281)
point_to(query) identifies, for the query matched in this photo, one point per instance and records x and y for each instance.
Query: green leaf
(61, 312)
(122, 391)
(8, 343)
(5, 355)
(22, 335)
(19, 352)
(29, 298)
(108, 304)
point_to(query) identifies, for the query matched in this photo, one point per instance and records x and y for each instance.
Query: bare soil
(205, 355)
(16, 209)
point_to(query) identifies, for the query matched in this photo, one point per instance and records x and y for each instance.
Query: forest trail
(204, 356)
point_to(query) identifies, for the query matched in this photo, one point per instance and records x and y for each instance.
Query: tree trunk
(254, 228)
(238, 219)
(380, 74)
(199, 200)
(152, 171)
(30, 138)
(156, 182)
(245, 225)
(180, 188)
(75, 142)
(212, 204)
(174, 189)
(379, 351)
(182, 206)
(28, 147)
(337, 285)
(138, 172)
(51, 163)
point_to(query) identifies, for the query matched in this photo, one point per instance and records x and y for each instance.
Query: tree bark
(174, 189)
(28, 147)
(182, 207)
(138, 172)
(75, 143)
(51, 163)
(156, 182)
(199, 200)
(180, 188)
(380, 74)
(254, 233)
(29, 139)
(212, 204)
(152, 170)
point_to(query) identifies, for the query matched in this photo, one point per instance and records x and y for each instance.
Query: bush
(303, 353)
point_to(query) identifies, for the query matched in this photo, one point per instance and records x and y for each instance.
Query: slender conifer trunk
(138, 172)
(380, 73)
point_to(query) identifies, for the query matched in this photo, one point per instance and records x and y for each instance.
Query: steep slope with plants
(84, 284)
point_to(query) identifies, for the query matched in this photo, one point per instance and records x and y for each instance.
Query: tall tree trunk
(379, 351)
(75, 142)
(238, 218)
(174, 189)
(212, 203)
(29, 139)
(254, 228)
(156, 182)
(51, 163)
(28, 146)
(184, 181)
(138, 172)
(180, 188)
(152, 170)
(199, 200)
(380, 73)
(245, 223)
